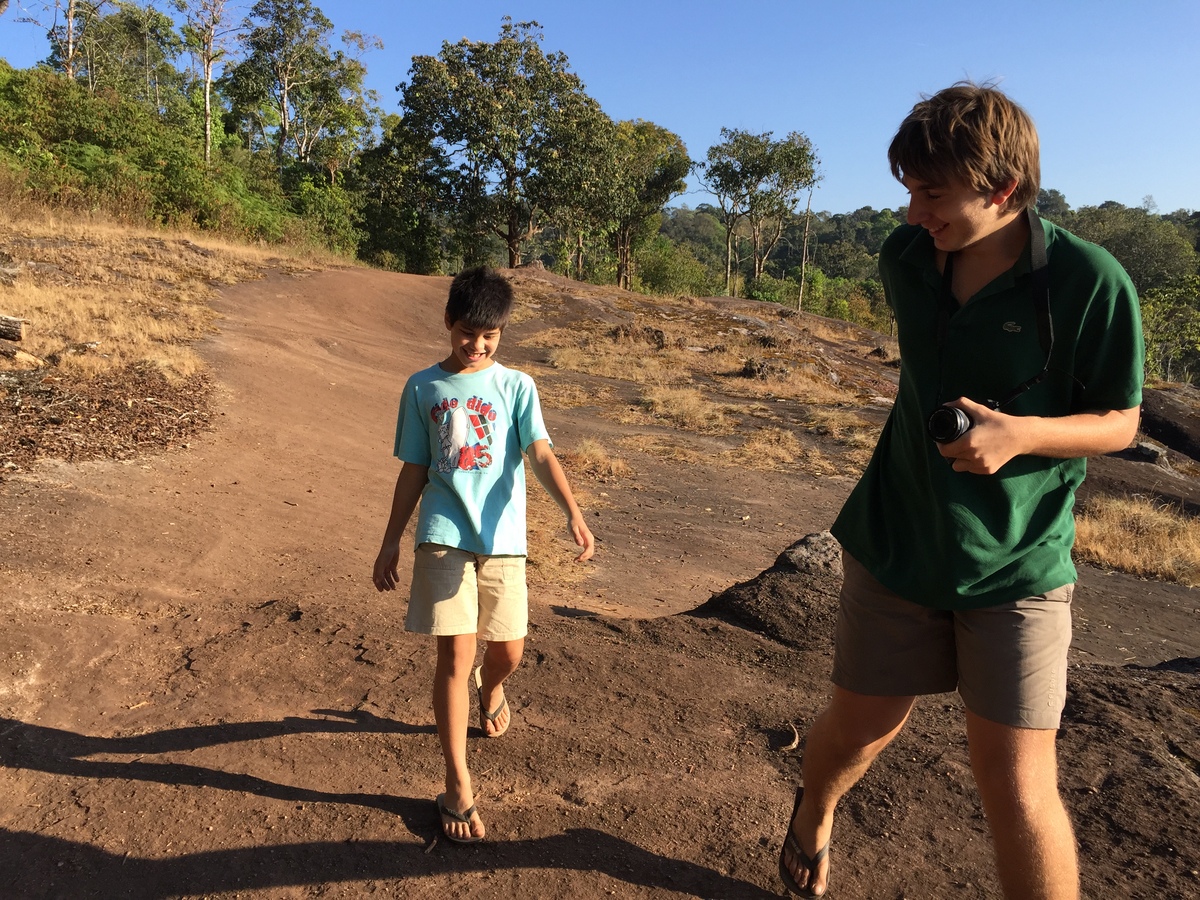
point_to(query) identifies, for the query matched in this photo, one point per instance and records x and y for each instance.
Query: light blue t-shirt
(470, 429)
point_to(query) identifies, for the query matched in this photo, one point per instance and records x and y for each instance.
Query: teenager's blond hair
(971, 134)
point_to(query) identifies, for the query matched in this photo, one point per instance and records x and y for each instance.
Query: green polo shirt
(956, 540)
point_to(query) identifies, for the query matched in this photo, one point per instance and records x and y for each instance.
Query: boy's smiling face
(471, 349)
(957, 216)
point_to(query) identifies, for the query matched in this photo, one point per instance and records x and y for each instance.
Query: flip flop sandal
(484, 715)
(810, 863)
(464, 817)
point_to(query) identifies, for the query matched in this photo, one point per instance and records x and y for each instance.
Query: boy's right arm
(409, 484)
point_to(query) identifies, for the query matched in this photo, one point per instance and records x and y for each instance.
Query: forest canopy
(259, 126)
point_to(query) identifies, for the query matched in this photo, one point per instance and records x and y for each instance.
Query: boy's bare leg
(1017, 775)
(840, 747)
(451, 708)
(500, 659)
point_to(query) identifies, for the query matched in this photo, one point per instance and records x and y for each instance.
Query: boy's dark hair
(480, 298)
(972, 134)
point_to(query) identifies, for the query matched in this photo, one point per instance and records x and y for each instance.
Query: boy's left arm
(548, 471)
(998, 437)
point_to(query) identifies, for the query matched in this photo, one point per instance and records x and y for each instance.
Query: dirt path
(202, 695)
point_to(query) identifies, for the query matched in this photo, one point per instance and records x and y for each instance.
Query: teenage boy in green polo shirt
(957, 540)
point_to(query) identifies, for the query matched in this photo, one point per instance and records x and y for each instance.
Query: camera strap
(1040, 294)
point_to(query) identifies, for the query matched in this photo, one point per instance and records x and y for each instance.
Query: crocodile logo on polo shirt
(1011, 326)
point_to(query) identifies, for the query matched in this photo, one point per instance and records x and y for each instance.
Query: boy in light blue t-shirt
(463, 427)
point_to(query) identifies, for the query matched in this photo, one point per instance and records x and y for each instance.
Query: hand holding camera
(983, 439)
(947, 424)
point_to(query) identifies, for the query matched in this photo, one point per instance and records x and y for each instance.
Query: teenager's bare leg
(840, 747)
(500, 659)
(451, 708)
(1017, 775)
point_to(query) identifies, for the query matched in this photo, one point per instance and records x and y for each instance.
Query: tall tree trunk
(624, 239)
(513, 240)
(728, 259)
(208, 67)
(804, 252)
(72, 50)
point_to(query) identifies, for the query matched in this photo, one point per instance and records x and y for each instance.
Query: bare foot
(463, 827)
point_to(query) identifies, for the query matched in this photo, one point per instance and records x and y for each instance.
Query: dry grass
(804, 384)
(850, 430)
(98, 297)
(592, 460)
(668, 449)
(686, 409)
(1140, 537)
(777, 449)
(610, 360)
(827, 329)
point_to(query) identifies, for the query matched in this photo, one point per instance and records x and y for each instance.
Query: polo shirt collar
(920, 253)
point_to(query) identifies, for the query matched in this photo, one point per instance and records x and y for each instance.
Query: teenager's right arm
(409, 484)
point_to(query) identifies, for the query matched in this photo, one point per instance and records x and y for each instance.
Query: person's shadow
(34, 865)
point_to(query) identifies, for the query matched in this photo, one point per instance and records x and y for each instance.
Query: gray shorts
(1008, 662)
(457, 592)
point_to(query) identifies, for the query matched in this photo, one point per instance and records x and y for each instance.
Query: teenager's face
(956, 215)
(471, 349)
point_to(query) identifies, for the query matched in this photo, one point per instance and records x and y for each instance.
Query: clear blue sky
(1111, 84)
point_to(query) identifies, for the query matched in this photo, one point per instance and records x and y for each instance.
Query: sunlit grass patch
(611, 360)
(804, 383)
(777, 449)
(98, 297)
(1139, 536)
(686, 409)
(592, 459)
(558, 336)
(825, 329)
(669, 449)
(557, 393)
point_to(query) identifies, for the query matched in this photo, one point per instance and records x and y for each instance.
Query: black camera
(947, 424)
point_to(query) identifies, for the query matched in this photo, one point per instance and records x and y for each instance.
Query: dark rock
(1171, 416)
(794, 602)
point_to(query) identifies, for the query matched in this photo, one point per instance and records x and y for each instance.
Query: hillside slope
(203, 695)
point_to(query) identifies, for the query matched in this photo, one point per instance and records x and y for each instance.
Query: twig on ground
(795, 739)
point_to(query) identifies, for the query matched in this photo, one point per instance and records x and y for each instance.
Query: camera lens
(947, 424)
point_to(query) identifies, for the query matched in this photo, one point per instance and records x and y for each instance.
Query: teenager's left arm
(998, 437)
(545, 466)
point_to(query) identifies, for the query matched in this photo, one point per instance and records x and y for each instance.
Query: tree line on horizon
(186, 113)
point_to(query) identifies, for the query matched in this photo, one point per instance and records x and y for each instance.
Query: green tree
(580, 184)
(398, 213)
(1171, 326)
(1052, 205)
(699, 230)
(845, 259)
(135, 51)
(205, 33)
(291, 91)
(650, 167)
(670, 269)
(759, 181)
(70, 21)
(721, 174)
(1151, 249)
(505, 118)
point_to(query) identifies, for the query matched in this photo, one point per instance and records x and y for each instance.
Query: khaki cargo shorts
(1008, 662)
(457, 592)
